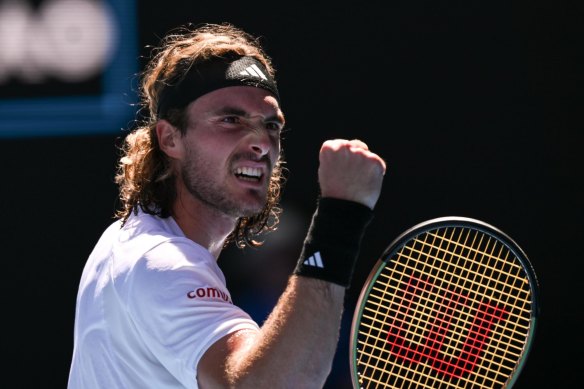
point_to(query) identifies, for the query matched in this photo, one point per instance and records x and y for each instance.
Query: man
(205, 169)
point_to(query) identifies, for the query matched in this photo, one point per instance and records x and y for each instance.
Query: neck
(204, 225)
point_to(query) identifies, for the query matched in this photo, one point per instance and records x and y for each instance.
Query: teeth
(248, 171)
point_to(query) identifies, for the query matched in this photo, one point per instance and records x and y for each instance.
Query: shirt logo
(209, 293)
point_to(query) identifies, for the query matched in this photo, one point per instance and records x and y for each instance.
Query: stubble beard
(199, 181)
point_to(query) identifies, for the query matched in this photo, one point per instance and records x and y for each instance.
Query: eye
(231, 119)
(274, 126)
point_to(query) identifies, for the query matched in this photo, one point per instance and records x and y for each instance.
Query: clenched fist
(349, 171)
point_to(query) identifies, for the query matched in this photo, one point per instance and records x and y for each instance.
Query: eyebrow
(240, 112)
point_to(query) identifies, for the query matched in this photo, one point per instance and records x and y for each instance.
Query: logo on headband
(212, 74)
(253, 71)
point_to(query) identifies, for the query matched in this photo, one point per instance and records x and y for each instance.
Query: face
(231, 145)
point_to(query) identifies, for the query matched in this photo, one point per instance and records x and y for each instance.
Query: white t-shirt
(150, 303)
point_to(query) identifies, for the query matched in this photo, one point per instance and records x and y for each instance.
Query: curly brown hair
(144, 175)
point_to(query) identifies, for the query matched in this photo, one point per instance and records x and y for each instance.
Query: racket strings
(500, 295)
(452, 311)
(507, 337)
(416, 355)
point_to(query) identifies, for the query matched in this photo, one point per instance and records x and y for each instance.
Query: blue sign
(67, 67)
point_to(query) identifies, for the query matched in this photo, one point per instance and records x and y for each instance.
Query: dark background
(475, 105)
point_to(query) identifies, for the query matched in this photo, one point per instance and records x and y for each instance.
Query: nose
(260, 140)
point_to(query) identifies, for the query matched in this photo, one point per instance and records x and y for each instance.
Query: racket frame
(433, 224)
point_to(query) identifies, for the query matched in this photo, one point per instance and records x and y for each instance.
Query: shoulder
(176, 253)
(159, 240)
(152, 253)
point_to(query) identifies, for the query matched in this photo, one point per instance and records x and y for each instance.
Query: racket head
(451, 303)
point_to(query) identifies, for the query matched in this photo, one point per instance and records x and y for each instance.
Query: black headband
(212, 74)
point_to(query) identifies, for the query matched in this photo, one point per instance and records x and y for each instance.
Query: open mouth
(248, 174)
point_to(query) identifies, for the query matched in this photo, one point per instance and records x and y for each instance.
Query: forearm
(296, 345)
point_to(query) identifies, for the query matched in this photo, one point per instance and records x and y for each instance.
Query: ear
(169, 139)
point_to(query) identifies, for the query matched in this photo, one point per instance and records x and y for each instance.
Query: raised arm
(296, 345)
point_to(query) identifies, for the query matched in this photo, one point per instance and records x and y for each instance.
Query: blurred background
(475, 105)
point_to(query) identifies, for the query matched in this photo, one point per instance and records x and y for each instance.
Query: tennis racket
(451, 303)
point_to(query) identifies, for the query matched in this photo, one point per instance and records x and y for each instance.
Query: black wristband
(332, 244)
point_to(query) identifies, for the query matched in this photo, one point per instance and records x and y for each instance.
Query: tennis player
(205, 170)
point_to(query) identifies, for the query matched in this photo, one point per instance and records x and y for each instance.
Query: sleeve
(180, 305)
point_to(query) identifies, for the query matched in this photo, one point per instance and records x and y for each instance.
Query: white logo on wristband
(314, 260)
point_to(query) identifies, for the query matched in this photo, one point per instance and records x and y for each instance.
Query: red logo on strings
(430, 346)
